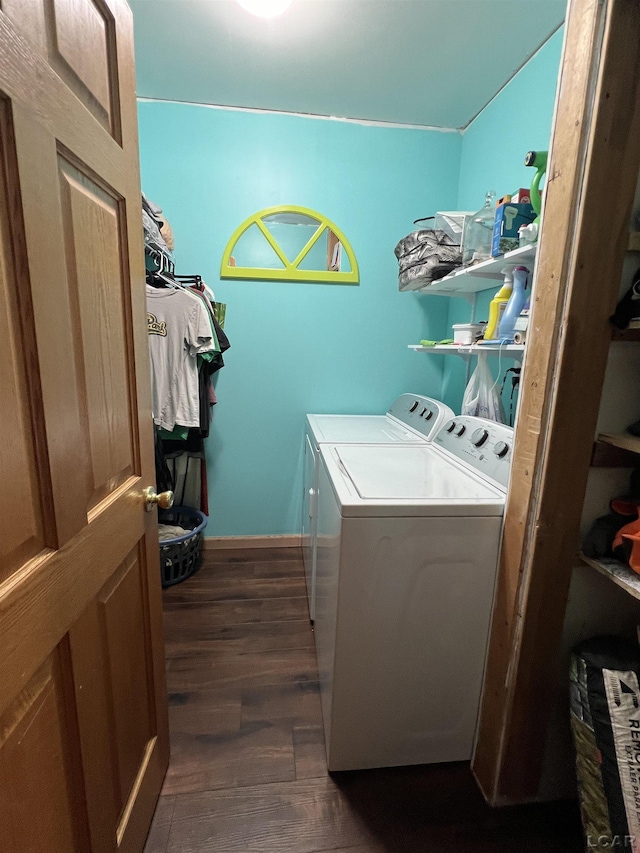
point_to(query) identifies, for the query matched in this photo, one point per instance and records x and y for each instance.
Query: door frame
(593, 168)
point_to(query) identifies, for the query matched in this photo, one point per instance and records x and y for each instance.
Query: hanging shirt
(179, 329)
(196, 294)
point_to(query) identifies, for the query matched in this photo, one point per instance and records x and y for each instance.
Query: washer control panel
(481, 444)
(423, 414)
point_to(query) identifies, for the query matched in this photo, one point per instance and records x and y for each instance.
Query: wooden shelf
(631, 334)
(623, 441)
(473, 279)
(605, 455)
(618, 572)
(508, 350)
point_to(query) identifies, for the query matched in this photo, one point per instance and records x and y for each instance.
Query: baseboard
(287, 540)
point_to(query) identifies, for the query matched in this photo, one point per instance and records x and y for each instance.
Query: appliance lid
(362, 429)
(417, 473)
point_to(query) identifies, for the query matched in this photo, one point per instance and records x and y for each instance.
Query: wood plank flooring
(248, 772)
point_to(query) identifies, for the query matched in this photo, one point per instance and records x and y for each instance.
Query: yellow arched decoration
(291, 271)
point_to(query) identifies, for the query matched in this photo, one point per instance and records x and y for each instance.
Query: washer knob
(414, 407)
(428, 415)
(479, 437)
(501, 449)
(460, 430)
(451, 426)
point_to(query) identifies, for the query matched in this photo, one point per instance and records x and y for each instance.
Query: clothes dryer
(411, 419)
(408, 540)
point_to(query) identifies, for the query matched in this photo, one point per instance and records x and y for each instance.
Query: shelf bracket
(474, 302)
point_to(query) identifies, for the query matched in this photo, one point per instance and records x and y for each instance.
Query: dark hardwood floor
(248, 773)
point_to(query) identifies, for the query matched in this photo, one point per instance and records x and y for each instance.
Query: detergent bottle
(498, 304)
(506, 326)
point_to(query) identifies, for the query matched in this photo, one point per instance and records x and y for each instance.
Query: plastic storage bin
(180, 556)
(466, 333)
(452, 222)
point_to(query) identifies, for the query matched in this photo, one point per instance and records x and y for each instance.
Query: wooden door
(83, 727)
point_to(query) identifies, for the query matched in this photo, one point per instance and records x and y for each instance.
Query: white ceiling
(423, 62)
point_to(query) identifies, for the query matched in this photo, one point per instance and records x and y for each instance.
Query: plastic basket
(180, 556)
(452, 222)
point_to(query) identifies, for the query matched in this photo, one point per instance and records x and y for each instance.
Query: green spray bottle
(537, 159)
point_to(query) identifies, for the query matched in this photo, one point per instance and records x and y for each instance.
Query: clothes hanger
(164, 274)
(191, 281)
(198, 282)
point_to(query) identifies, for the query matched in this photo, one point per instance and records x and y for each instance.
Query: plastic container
(506, 327)
(180, 556)
(466, 333)
(498, 305)
(452, 222)
(478, 232)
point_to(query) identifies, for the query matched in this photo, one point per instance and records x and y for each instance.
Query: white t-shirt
(179, 328)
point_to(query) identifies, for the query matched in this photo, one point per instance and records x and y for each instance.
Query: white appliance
(412, 419)
(408, 539)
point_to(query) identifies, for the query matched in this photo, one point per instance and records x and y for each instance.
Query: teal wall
(297, 348)
(516, 121)
(493, 151)
(254, 250)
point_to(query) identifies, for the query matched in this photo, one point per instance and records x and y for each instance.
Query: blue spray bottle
(515, 305)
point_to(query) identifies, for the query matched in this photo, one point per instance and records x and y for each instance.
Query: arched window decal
(272, 245)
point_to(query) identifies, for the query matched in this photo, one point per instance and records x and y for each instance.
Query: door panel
(81, 47)
(35, 185)
(119, 606)
(41, 781)
(114, 694)
(84, 736)
(98, 295)
(22, 528)
(93, 702)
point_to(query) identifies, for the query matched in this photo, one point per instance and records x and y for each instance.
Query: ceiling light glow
(265, 8)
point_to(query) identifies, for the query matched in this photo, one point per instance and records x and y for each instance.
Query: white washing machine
(408, 539)
(412, 419)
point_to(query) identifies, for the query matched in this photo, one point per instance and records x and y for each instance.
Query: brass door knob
(151, 498)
